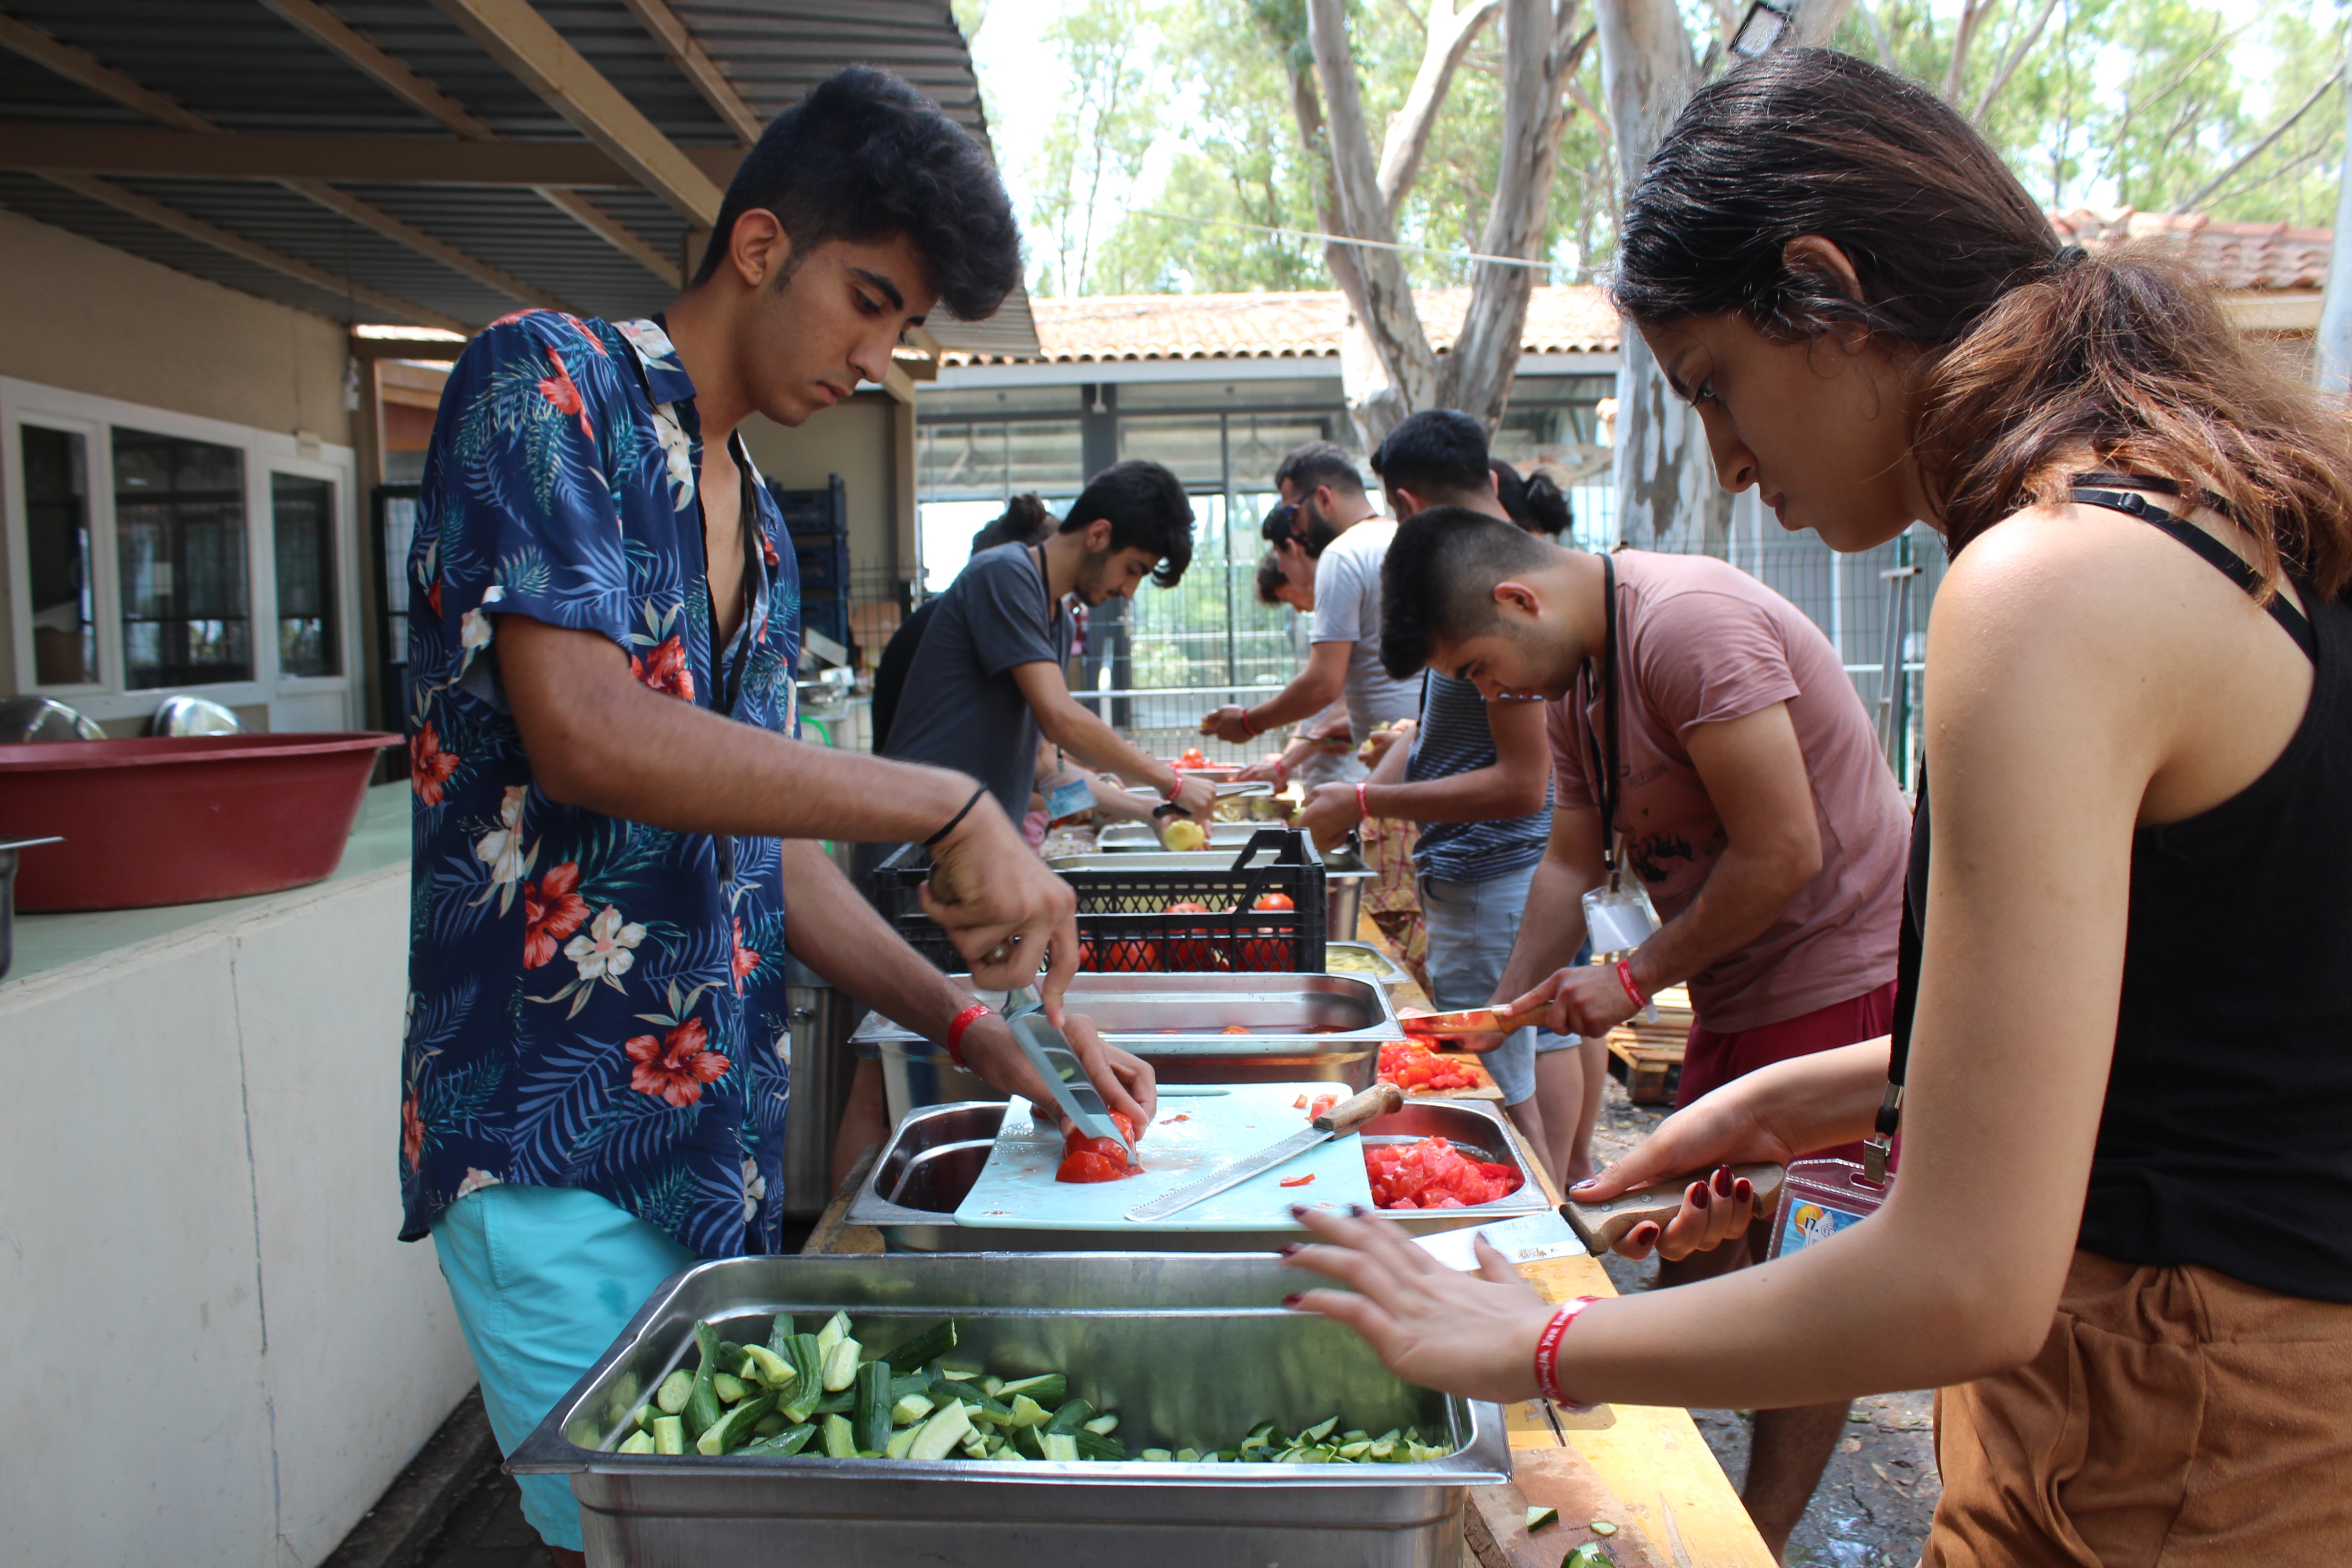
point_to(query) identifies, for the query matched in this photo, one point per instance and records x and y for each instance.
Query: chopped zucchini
(901, 1441)
(1540, 1516)
(1101, 1426)
(1048, 1389)
(1060, 1446)
(637, 1443)
(840, 1439)
(992, 1386)
(906, 1412)
(727, 1386)
(733, 1429)
(1157, 1455)
(924, 1348)
(1188, 1456)
(1355, 1451)
(669, 1435)
(671, 1396)
(783, 1445)
(837, 1403)
(808, 1380)
(702, 1410)
(1027, 1412)
(768, 1366)
(780, 1332)
(1030, 1442)
(871, 1413)
(770, 1425)
(1319, 1431)
(942, 1432)
(1092, 1447)
(841, 1365)
(913, 1382)
(1591, 1554)
(1070, 1417)
(954, 1374)
(835, 1330)
(975, 1449)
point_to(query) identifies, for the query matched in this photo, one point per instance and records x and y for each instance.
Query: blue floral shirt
(592, 1003)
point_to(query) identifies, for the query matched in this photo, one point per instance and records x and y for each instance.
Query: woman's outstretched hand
(1471, 1334)
(1721, 1129)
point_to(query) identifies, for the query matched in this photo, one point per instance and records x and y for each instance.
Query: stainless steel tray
(1384, 968)
(936, 1154)
(1190, 1349)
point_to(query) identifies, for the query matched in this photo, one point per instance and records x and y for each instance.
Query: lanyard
(1606, 787)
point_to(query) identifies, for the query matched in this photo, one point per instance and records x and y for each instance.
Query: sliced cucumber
(1319, 1431)
(770, 1425)
(669, 1435)
(783, 1445)
(1070, 1417)
(733, 1429)
(1048, 1389)
(702, 1410)
(942, 1432)
(727, 1386)
(1101, 1426)
(835, 1330)
(637, 1443)
(808, 1381)
(901, 1441)
(1188, 1456)
(840, 1438)
(1061, 1446)
(1091, 1446)
(1540, 1516)
(780, 1332)
(871, 1413)
(924, 1348)
(1157, 1455)
(675, 1388)
(955, 1374)
(1027, 1412)
(841, 1365)
(911, 1410)
(768, 1366)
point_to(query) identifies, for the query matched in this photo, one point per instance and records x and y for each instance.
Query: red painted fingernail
(1287, 1247)
(1358, 1210)
(1646, 1233)
(1292, 1301)
(1723, 1179)
(1700, 1196)
(1741, 1191)
(1298, 1211)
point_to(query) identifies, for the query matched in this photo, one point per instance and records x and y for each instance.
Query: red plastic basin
(181, 820)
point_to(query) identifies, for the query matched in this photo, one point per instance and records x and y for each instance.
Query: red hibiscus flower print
(591, 339)
(433, 597)
(768, 549)
(678, 1066)
(559, 390)
(746, 959)
(551, 910)
(412, 1133)
(512, 316)
(665, 669)
(429, 766)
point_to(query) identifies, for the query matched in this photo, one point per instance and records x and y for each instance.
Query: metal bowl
(29, 720)
(194, 716)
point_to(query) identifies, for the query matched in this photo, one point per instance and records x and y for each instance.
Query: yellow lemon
(1184, 834)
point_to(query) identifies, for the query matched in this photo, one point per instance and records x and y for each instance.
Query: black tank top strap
(2120, 493)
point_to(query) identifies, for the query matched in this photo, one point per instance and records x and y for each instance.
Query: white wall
(227, 1354)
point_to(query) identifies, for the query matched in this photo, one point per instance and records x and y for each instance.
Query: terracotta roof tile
(2241, 258)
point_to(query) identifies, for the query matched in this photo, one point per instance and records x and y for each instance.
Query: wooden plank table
(1652, 1457)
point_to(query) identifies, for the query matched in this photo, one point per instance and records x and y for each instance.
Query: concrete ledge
(395, 1531)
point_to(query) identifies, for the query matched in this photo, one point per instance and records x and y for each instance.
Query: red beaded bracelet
(1625, 978)
(1547, 1354)
(1363, 805)
(965, 1020)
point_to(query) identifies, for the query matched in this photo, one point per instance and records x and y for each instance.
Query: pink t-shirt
(1703, 643)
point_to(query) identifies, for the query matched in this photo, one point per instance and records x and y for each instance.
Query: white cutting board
(1016, 1189)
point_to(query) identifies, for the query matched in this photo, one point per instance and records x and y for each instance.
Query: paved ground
(1875, 1501)
(1872, 1510)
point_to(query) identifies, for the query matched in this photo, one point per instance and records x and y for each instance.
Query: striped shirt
(1453, 738)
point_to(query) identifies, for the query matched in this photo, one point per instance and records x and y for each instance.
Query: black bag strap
(1879, 1147)
(1605, 767)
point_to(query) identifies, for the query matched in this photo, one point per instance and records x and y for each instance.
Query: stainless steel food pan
(932, 1160)
(1192, 1350)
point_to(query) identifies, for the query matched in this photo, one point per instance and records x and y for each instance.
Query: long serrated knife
(1380, 1100)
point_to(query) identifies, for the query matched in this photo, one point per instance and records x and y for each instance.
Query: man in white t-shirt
(1334, 523)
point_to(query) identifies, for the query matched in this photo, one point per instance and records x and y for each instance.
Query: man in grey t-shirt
(1333, 522)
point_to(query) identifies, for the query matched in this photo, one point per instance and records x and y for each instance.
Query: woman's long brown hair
(2028, 354)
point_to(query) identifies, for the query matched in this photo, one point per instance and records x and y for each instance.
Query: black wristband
(957, 820)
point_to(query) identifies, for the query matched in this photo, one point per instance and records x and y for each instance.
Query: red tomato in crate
(1195, 951)
(1273, 902)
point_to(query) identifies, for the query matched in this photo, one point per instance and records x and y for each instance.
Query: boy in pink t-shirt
(1749, 801)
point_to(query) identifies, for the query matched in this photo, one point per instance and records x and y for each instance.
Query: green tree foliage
(1110, 114)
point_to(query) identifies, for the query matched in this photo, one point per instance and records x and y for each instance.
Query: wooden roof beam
(520, 40)
(150, 211)
(670, 30)
(141, 150)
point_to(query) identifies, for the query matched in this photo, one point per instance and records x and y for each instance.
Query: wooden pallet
(1651, 1054)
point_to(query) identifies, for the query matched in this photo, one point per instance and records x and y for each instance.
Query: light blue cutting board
(1016, 1189)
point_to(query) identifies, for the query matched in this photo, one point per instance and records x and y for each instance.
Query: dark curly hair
(1271, 579)
(865, 156)
(1024, 521)
(1148, 510)
(1440, 451)
(1536, 503)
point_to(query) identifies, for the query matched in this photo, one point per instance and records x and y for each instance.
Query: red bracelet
(1251, 730)
(965, 1020)
(1625, 978)
(1177, 789)
(1281, 771)
(1363, 807)
(1547, 1354)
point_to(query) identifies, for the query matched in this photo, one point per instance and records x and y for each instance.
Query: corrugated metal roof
(243, 69)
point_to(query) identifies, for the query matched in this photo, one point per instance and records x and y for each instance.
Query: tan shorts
(2174, 1416)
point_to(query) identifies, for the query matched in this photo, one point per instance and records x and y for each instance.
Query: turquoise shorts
(544, 1279)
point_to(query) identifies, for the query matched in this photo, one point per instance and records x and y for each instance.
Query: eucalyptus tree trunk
(2331, 353)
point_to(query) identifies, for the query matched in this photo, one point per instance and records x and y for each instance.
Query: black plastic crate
(1126, 923)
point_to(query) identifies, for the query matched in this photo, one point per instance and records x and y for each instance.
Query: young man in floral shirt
(610, 806)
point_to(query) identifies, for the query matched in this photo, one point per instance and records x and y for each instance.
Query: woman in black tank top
(2121, 1239)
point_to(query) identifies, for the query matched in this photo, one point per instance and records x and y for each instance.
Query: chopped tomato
(1322, 1103)
(1433, 1174)
(1298, 1181)
(1416, 1067)
(1234, 1029)
(1298, 1104)
(1086, 1159)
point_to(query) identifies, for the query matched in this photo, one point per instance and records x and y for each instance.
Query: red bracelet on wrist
(965, 1020)
(1547, 1354)
(1281, 771)
(1251, 730)
(1625, 978)
(1363, 807)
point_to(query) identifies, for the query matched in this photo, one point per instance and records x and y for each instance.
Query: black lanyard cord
(1606, 787)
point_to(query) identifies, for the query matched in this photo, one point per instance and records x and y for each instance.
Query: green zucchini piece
(871, 1414)
(733, 1429)
(835, 1330)
(1188, 1456)
(1356, 1450)
(1540, 1516)
(808, 1380)
(1048, 1389)
(671, 1395)
(669, 1435)
(924, 1348)
(975, 1449)
(841, 1365)
(1260, 1437)
(1591, 1554)
(1011, 1451)
(768, 1366)
(780, 1332)
(770, 1425)
(840, 1438)
(1157, 1455)
(913, 1382)
(637, 1443)
(909, 1411)
(727, 1386)
(1060, 1446)
(1103, 1426)
(1027, 1412)
(1091, 1446)
(901, 1441)
(1070, 1417)
(992, 1386)
(956, 1374)
(1029, 1442)
(702, 1411)
(942, 1432)
(783, 1444)
(1319, 1431)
